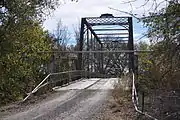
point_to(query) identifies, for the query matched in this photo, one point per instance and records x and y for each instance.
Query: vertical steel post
(99, 58)
(102, 59)
(88, 50)
(69, 74)
(131, 45)
(81, 44)
(94, 54)
(91, 55)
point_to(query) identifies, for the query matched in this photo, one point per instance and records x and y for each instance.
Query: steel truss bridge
(107, 45)
(105, 49)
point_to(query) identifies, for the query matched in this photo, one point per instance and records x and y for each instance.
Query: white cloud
(72, 12)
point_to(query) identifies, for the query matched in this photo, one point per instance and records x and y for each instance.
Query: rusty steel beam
(92, 31)
(131, 45)
(112, 34)
(119, 51)
(109, 29)
(113, 38)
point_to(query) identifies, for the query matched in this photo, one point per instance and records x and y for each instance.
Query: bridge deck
(92, 83)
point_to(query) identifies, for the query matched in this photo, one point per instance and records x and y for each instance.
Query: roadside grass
(120, 106)
(122, 90)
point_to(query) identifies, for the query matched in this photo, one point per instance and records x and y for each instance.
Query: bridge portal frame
(89, 33)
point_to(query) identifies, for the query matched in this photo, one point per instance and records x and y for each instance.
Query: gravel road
(82, 100)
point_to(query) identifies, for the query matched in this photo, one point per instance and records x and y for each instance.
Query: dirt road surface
(82, 100)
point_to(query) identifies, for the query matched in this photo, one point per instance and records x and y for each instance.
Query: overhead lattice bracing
(105, 33)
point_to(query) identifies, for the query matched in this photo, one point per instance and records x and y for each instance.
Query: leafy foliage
(20, 61)
(21, 39)
(163, 30)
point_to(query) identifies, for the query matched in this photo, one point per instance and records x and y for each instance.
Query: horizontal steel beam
(112, 34)
(115, 41)
(108, 18)
(114, 38)
(95, 24)
(108, 29)
(120, 51)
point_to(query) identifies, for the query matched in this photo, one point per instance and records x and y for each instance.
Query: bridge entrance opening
(107, 45)
(105, 50)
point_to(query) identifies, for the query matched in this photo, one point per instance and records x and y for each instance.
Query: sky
(71, 13)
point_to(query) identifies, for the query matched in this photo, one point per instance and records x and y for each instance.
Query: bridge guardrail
(135, 100)
(134, 92)
(42, 83)
(46, 80)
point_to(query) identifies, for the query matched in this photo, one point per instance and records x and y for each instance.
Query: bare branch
(133, 15)
(126, 2)
(143, 36)
(62, 35)
(143, 4)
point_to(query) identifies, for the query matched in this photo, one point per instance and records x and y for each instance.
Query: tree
(21, 64)
(144, 66)
(62, 36)
(21, 40)
(77, 30)
(163, 30)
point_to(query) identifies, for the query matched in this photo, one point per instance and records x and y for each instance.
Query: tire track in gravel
(72, 105)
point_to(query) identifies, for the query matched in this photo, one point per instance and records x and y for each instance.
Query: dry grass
(120, 105)
(122, 90)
